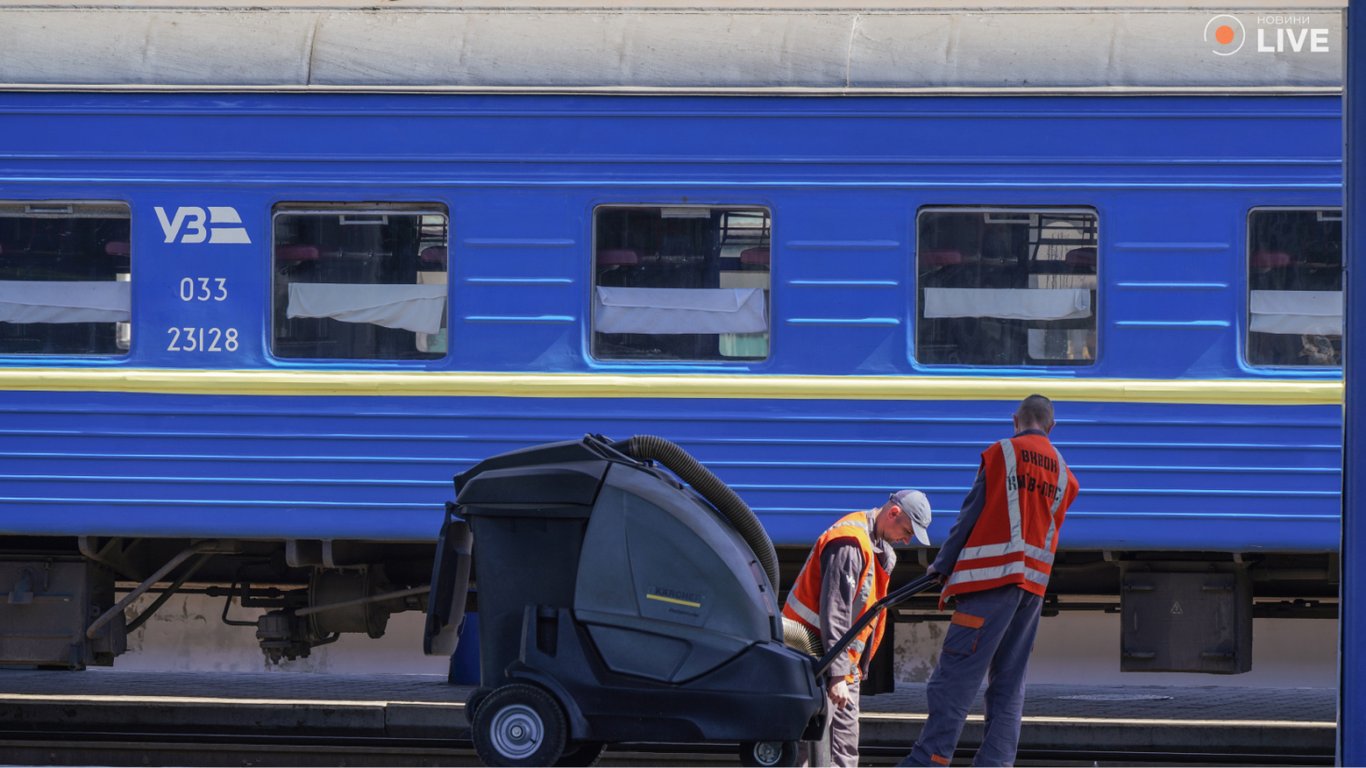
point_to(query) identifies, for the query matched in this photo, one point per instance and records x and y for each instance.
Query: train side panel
(201, 429)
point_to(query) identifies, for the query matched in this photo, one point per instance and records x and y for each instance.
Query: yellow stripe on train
(314, 383)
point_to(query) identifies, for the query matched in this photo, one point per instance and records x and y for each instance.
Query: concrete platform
(1136, 720)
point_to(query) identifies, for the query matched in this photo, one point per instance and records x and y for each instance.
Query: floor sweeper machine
(625, 594)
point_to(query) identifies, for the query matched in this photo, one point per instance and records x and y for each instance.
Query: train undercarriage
(70, 603)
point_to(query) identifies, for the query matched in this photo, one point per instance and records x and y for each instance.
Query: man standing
(995, 565)
(847, 571)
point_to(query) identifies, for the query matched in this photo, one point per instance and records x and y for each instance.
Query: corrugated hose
(726, 501)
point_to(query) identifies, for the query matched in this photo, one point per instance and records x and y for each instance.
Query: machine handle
(897, 595)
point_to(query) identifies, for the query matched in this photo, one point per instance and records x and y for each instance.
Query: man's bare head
(1035, 412)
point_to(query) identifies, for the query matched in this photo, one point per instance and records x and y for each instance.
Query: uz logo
(188, 225)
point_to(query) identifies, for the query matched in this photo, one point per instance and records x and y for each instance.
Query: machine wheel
(473, 701)
(518, 724)
(768, 753)
(582, 754)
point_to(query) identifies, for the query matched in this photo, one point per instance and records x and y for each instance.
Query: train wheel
(582, 754)
(517, 725)
(768, 753)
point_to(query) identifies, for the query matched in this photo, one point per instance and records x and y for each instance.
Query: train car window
(360, 282)
(1006, 286)
(681, 283)
(1294, 287)
(64, 278)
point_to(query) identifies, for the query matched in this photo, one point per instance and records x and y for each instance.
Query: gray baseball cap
(917, 508)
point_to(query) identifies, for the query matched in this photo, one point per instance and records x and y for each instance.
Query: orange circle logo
(1226, 33)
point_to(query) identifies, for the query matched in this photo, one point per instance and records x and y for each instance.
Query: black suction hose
(691, 471)
(904, 592)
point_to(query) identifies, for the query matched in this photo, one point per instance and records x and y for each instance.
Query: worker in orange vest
(995, 565)
(847, 571)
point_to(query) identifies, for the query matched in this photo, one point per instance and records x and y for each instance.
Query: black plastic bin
(529, 529)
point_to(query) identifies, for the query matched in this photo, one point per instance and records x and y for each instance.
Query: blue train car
(248, 334)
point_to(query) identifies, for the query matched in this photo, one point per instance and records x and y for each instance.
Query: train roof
(673, 46)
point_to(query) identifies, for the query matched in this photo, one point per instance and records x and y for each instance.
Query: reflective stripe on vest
(1057, 499)
(806, 614)
(998, 571)
(1012, 492)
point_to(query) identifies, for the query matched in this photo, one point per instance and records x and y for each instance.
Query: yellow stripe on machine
(674, 600)
(316, 383)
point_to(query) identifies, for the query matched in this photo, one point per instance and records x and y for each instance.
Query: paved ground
(1136, 720)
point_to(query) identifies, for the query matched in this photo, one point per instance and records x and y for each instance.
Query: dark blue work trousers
(998, 649)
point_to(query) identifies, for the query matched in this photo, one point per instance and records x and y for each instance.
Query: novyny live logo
(192, 225)
(1275, 33)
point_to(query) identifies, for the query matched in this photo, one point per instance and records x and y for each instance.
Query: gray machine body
(673, 591)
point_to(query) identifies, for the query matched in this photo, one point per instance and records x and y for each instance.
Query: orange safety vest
(803, 603)
(1028, 491)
